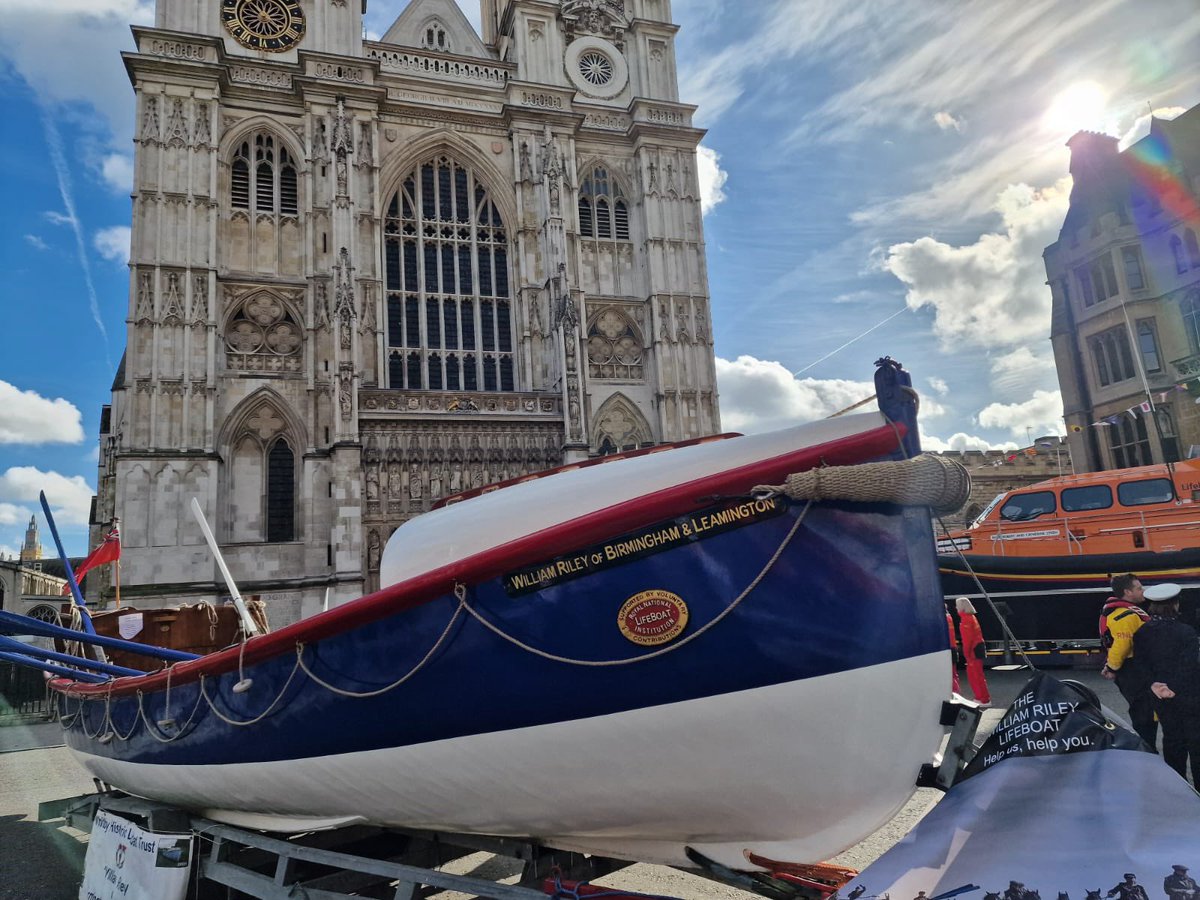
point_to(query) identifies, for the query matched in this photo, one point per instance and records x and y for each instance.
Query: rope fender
(925, 480)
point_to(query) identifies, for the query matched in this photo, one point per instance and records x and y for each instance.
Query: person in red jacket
(973, 649)
(953, 652)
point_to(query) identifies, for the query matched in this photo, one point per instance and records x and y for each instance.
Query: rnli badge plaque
(653, 617)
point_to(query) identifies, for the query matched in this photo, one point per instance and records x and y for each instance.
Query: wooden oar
(247, 622)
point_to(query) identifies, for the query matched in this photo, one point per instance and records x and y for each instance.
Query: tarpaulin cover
(1058, 801)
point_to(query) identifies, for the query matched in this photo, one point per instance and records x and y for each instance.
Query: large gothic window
(449, 313)
(281, 492)
(603, 210)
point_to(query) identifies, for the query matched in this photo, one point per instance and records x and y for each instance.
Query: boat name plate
(656, 538)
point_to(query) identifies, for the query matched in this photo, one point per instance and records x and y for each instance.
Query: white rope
(341, 692)
(266, 712)
(460, 591)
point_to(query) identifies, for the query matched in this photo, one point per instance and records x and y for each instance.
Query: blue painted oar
(15, 623)
(62, 554)
(13, 646)
(29, 662)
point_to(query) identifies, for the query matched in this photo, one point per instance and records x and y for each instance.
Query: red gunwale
(493, 562)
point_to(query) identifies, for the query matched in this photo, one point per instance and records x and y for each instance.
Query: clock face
(271, 25)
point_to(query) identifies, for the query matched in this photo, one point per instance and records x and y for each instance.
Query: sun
(1079, 107)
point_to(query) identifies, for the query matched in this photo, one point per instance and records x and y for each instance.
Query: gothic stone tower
(368, 274)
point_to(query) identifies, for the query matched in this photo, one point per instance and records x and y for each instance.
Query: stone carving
(373, 548)
(372, 483)
(177, 129)
(603, 18)
(681, 322)
(343, 145)
(368, 315)
(343, 299)
(199, 311)
(145, 298)
(320, 142)
(265, 422)
(526, 170)
(346, 391)
(365, 154)
(268, 78)
(651, 178)
(321, 306)
(395, 479)
(150, 130)
(414, 482)
(203, 135)
(172, 302)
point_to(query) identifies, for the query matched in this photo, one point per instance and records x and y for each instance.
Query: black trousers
(1134, 685)
(1181, 736)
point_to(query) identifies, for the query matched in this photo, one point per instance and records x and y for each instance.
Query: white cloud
(1021, 371)
(56, 218)
(36, 242)
(961, 441)
(30, 418)
(38, 36)
(1141, 125)
(1040, 415)
(711, 176)
(939, 386)
(991, 293)
(117, 170)
(113, 243)
(70, 497)
(11, 514)
(947, 122)
(762, 395)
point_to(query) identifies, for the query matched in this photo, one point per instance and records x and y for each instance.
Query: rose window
(596, 68)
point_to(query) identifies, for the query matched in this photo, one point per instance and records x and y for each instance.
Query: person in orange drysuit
(953, 652)
(973, 649)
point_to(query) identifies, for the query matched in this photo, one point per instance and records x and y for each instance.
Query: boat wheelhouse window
(1139, 493)
(1023, 507)
(1081, 499)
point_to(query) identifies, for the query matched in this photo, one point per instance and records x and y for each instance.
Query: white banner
(125, 862)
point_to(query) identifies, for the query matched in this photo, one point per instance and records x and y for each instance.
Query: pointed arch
(604, 201)
(619, 425)
(261, 446)
(616, 346)
(448, 269)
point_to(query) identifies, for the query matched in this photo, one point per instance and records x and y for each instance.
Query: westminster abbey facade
(369, 274)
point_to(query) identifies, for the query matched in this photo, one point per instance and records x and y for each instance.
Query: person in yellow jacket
(1120, 619)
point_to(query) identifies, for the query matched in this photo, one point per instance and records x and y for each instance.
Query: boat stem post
(247, 622)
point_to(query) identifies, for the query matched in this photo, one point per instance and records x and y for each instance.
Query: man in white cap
(1170, 651)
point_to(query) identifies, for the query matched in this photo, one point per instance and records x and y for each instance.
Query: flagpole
(118, 582)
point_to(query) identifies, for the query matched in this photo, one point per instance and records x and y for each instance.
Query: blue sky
(881, 178)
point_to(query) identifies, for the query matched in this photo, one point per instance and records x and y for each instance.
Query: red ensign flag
(108, 551)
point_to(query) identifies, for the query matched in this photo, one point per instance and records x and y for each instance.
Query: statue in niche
(395, 479)
(320, 150)
(346, 402)
(414, 482)
(364, 144)
(476, 476)
(342, 175)
(554, 201)
(345, 331)
(653, 179)
(526, 166)
(373, 551)
(435, 484)
(372, 483)
(321, 305)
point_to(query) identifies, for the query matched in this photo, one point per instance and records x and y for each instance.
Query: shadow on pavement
(39, 862)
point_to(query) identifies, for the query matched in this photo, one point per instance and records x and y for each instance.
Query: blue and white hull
(686, 665)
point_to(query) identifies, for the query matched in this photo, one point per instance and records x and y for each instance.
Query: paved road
(39, 862)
